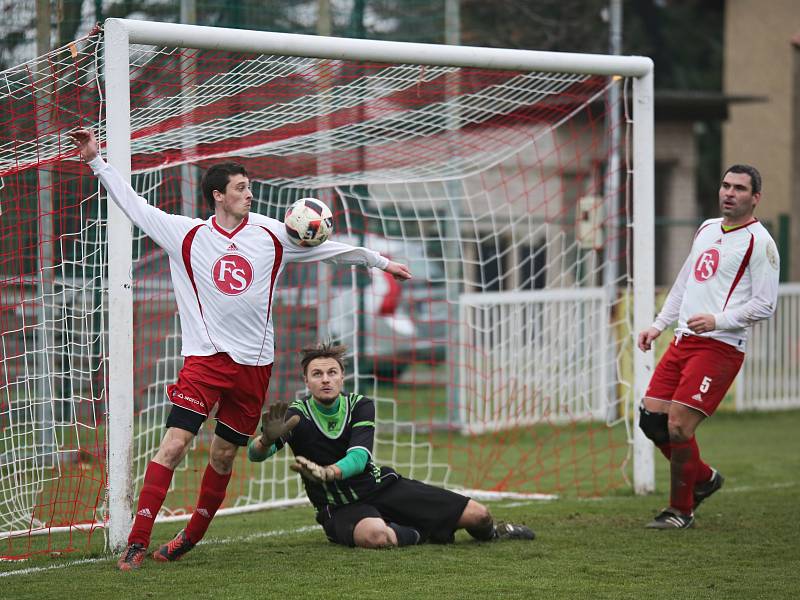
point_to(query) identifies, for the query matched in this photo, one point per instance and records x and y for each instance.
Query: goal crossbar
(312, 46)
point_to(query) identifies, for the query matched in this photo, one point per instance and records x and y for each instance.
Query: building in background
(762, 58)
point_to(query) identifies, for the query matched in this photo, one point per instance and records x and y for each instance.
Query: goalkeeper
(359, 503)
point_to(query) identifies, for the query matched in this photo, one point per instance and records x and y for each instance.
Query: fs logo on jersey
(706, 266)
(232, 274)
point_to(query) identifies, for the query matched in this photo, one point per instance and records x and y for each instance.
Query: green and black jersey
(326, 438)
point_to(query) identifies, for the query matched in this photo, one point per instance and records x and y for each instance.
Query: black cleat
(704, 490)
(669, 518)
(175, 548)
(509, 531)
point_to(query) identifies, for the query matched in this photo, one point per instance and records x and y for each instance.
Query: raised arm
(345, 254)
(165, 229)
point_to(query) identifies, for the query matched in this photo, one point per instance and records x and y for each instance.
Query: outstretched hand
(273, 425)
(399, 271)
(310, 470)
(85, 142)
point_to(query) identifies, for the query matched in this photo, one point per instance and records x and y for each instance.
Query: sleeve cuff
(657, 324)
(382, 263)
(97, 163)
(721, 321)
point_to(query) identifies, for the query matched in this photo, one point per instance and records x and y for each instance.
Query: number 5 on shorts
(705, 384)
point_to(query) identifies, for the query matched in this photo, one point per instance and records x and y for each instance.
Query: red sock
(683, 470)
(156, 483)
(212, 493)
(666, 450)
(703, 470)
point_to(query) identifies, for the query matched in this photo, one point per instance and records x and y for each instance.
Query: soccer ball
(308, 222)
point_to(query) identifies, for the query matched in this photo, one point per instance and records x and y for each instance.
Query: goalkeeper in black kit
(357, 502)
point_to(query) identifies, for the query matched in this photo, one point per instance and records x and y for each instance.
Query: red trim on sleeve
(696, 233)
(186, 253)
(276, 266)
(742, 267)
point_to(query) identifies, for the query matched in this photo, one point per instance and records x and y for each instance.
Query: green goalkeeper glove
(311, 470)
(273, 427)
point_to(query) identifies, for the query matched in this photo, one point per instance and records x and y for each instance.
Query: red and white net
(502, 367)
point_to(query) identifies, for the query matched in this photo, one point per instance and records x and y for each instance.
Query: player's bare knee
(221, 458)
(373, 534)
(173, 448)
(475, 515)
(679, 432)
(377, 539)
(479, 514)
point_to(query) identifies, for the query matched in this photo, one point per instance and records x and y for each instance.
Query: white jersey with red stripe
(224, 281)
(731, 274)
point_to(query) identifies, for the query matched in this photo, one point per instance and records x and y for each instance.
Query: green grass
(745, 545)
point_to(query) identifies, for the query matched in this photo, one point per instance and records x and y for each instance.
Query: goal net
(506, 180)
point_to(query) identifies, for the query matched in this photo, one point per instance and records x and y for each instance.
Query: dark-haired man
(728, 282)
(357, 502)
(224, 271)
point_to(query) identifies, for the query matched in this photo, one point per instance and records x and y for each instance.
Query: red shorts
(695, 371)
(240, 390)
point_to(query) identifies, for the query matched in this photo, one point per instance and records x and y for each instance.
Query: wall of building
(758, 61)
(676, 202)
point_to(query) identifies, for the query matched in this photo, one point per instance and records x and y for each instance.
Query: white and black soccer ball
(308, 222)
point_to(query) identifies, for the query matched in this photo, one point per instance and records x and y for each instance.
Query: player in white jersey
(728, 282)
(224, 270)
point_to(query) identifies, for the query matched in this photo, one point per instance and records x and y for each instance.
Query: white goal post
(121, 34)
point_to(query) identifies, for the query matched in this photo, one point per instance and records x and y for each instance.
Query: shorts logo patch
(697, 398)
(180, 396)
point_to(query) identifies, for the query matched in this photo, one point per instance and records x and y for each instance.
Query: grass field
(746, 544)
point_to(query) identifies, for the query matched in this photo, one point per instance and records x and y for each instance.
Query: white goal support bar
(121, 33)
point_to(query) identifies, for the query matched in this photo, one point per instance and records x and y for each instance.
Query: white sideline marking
(31, 570)
(516, 504)
(750, 488)
(725, 489)
(208, 542)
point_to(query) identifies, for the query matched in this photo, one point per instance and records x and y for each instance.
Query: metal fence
(770, 376)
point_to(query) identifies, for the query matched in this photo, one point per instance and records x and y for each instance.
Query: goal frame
(120, 34)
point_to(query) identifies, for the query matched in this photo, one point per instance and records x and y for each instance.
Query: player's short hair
(217, 178)
(755, 176)
(322, 350)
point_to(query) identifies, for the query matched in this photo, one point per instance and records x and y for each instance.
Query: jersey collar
(228, 234)
(738, 227)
